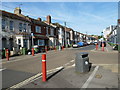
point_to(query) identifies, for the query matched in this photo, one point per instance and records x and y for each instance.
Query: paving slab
(68, 78)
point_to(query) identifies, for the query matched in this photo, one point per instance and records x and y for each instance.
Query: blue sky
(90, 17)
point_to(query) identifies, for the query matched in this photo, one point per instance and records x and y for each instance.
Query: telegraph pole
(20, 5)
(65, 34)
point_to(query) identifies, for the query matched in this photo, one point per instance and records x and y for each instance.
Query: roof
(14, 16)
(35, 21)
(58, 25)
(67, 29)
(51, 24)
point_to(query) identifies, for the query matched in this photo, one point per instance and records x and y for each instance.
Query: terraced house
(38, 30)
(51, 33)
(16, 31)
(61, 34)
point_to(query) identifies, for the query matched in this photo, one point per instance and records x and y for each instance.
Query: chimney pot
(39, 19)
(49, 19)
(17, 11)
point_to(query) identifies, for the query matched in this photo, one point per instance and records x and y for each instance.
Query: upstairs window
(41, 42)
(20, 27)
(11, 25)
(3, 23)
(52, 31)
(47, 31)
(38, 29)
(24, 27)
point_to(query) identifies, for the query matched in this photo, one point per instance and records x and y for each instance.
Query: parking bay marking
(90, 78)
(2, 69)
(33, 78)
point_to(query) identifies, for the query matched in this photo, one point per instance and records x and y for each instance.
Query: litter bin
(24, 51)
(59, 48)
(36, 48)
(3, 53)
(82, 62)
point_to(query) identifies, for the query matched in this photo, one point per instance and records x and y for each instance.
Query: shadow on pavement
(53, 74)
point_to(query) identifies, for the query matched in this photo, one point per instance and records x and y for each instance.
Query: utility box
(82, 62)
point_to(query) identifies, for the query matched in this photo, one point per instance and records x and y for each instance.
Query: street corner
(97, 77)
(104, 78)
(62, 78)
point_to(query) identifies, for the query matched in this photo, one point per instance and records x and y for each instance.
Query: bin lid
(83, 53)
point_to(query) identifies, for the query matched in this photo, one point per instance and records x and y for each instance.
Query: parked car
(115, 47)
(92, 43)
(80, 44)
(85, 44)
(75, 45)
(89, 43)
(95, 43)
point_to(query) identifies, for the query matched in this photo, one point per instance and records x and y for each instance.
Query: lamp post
(102, 36)
(65, 34)
(32, 39)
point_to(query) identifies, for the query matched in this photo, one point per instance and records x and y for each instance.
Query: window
(38, 29)
(25, 43)
(3, 23)
(11, 25)
(41, 42)
(47, 30)
(20, 27)
(52, 31)
(19, 41)
(24, 27)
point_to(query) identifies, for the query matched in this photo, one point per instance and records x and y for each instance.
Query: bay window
(11, 25)
(38, 29)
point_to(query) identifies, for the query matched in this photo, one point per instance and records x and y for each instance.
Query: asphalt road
(27, 66)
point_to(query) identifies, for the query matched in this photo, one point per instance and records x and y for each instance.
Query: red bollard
(96, 46)
(55, 48)
(102, 46)
(7, 54)
(46, 49)
(44, 67)
(32, 51)
(62, 47)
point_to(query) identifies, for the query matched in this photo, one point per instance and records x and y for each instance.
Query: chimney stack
(49, 19)
(17, 11)
(39, 19)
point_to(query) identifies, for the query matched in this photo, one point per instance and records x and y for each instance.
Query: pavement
(25, 71)
(103, 73)
(68, 78)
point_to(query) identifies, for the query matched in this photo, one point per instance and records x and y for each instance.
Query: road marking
(90, 78)
(106, 49)
(35, 77)
(68, 63)
(72, 60)
(2, 69)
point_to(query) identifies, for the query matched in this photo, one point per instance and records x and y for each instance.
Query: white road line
(66, 64)
(2, 69)
(106, 49)
(90, 78)
(34, 78)
(93, 49)
(72, 60)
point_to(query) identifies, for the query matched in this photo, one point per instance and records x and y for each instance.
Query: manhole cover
(98, 76)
